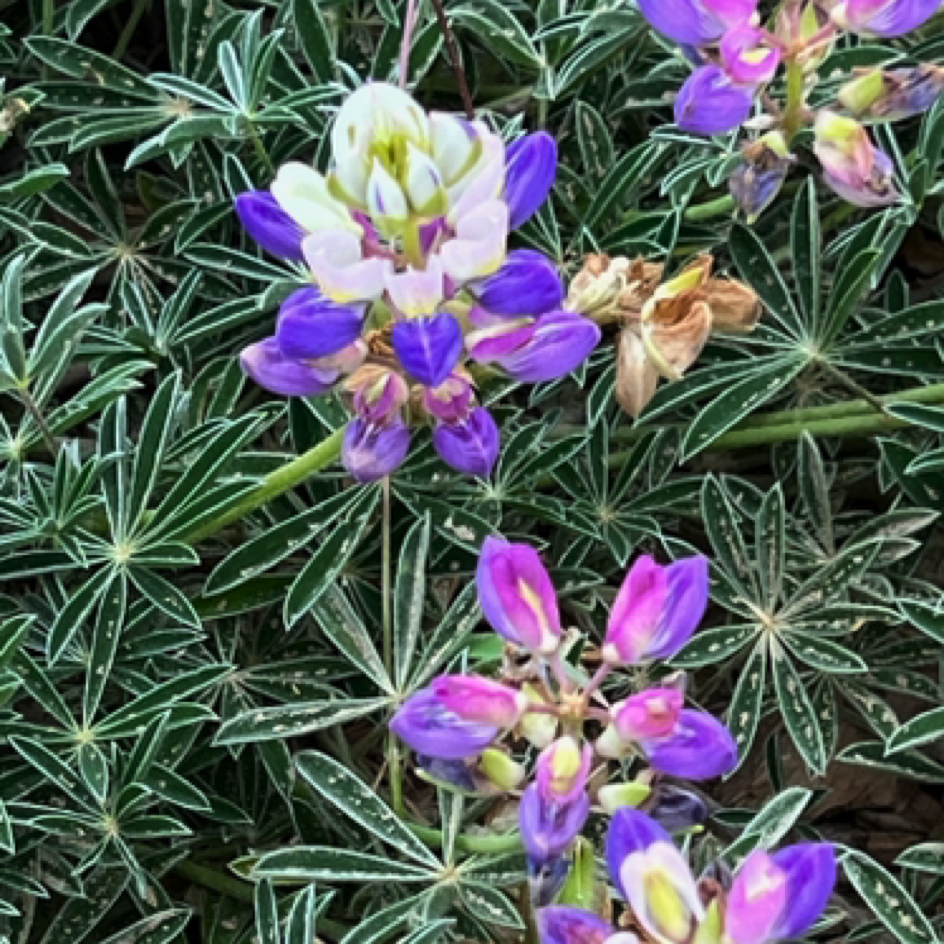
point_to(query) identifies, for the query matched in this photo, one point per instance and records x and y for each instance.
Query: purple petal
(888, 18)
(530, 170)
(561, 925)
(432, 730)
(455, 771)
(267, 366)
(739, 49)
(451, 402)
(548, 828)
(428, 348)
(312, 326)
(636, 612)
(677, 810)
(811, 877)
(684, 608)
(527, 284)
(685, 21)
(474, 698)
(709, 103)
(756, 900)
(546, 879)
(269, 225)
(560, 342)
(649, 714)
(630, 831)
(701, 748)
(517, 595)
(471, 446)
(372, 451)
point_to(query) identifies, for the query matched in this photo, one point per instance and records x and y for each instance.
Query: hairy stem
(394, 759)
(486, 845)
(260, 150)
(409, 24)
(453, 50)
(793, 113)
(32, 407)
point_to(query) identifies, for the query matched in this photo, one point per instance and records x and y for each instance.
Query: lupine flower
(414, 215)
(517, 595)
(559, 924)
(852, 166)
(696, 22)
(895, 94)
(269, 225)
(657, 610)
(884, 18)
(677, 810)
(563, 768)
(711, 102)
(653, 713)
(699, 748)
(757, 180)
(746, 56)
(474, 698)
(549, 826)
(433, 730)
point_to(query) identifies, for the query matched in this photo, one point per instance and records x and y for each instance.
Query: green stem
(125, 38)
(32, 407)
(485, 845)
(841, 377)
(723, 206)
(793, 112)
(394, 760)
(260, 150)
(412, 245)
(274, 484)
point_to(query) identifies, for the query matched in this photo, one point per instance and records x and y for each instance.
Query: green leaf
(805, 244)
(80, 63)
(160, 928)
(925, 857)
(360, 802)
(715, 644)
(324, 864)
(824, 654)
(71, 617)
(771, 547)
(724, 532)
(797, 710)
(892, 905)
(409, 596)
(745, 709)
(267, 914)
(263, 724)
(923, 729)
(315, 38)
(494, 24)
(772, 823)
(621, 182)
(908, 764)
(55, 771)
(164, 595)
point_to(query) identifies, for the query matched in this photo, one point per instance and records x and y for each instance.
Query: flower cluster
(770, 897)
(458, 724)
(406, 239)
(736, 58)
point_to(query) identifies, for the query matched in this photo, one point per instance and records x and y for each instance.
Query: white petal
(417, 292)
(303, 194)
(339, 269)
(478, 248)
(483, 182)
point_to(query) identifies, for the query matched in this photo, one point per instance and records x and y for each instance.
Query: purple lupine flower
(269, 368)
(527, 284)
(474, 698)
(471, 445)
(432, 730)
(530, 169)
(811, 876)
(428, 348)
(532, 350)
(562, 769)
(653, 713)
(269, 225)
(517, 595)
(699, 748)
(696, 22)
(451, 772)
(312, 326)
(657, 609)
(895, 94)
(852, 166)
(653, 877)
(884, 18)
(546, 879)
(549, 827)
(378, 394)
(677, 810)
(757, 180)
(756, 900)
(452, 401)
(746, 56)
(559, 924)
(371, 451)
(711, 103)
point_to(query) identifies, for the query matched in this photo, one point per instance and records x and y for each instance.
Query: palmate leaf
(323, 864)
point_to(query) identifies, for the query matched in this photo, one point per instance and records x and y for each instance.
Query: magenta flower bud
(884, 18)
(533, 350)
(470, 446)
(710, 103)
(700, 748)
(312, 326)
(517, 595)
(852, 166)
(747, 58)
(269, 225)
(474, 698)
(653, 713)
(429, 347)
(372, 451)
(378, 395)
(755, 904)
(810, 868)
(433, 730)
(527, 284)
(530, 169)
(549, 827)
(562, 769)
(269, 368)
(559, 924)
(657, 610)
(696, 22)
(452, 401)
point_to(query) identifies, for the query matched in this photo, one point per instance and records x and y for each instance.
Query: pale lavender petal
(478, 248)
(470, 446)
(267, 366)
(337, 262)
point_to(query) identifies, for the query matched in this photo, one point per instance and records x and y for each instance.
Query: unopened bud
(501, 770)
(617, 795)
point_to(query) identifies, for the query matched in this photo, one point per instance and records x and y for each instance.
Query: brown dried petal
(636, 377)
(676, 331)
(735, 307)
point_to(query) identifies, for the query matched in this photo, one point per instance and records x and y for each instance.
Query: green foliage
(195, 678)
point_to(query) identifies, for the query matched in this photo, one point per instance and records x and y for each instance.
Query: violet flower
(527, 284)
(269, 225)
(696, 22)
(711, 102)
(530, 170)
(548, 825)
(469, 445)
(699, 748)
(371, 451)
(884, 18)
(311, 326)
(428, 726)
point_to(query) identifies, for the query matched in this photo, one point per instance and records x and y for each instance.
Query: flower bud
(549, 826)
(422, 184)
(371, 451)
(517, 595)
(501, 770)
(537, 728)
(852, 166)
(269, 225)
(677, 810)
(700, 748)
(379, 394)
(530, 170)
(312, 326)
(474, 698)
(428, 348)
(385, 201)
(432, 730)
(747, 57)
(611, 746)
(892, 96)
(756, 900)
(757, 180)
(563, 768)
(527, 284)
(710, 103)
(653, 713)
(615, 796)
(265, 363)
(470, 446)
(452, 401)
